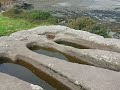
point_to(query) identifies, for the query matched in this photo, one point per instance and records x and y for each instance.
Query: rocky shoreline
(9, 4)
(106, 17)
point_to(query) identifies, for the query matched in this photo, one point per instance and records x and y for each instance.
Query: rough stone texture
(8, 82)
(6, 4)
(103, 53)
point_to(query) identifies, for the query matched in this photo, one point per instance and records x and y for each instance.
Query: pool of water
(81, 4)
(24, 74)
(104, 10)
(51, 54)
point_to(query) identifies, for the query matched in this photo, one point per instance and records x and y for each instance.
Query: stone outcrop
(96, 59)
(8, 82)
(7, 4)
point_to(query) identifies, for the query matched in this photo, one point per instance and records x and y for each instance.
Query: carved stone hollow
(93, 61)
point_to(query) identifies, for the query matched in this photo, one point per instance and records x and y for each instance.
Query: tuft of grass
(81, 22)
(38, 15)
(88, 24)
(98, 29)
(10, 25)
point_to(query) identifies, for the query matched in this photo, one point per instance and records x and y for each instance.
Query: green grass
(88, 24)
(33, 16)
(10, 25)
(17, 19)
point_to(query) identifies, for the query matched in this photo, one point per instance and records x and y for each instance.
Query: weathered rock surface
(8, 82)
(103, 54)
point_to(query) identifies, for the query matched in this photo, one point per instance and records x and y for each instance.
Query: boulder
(96, 59)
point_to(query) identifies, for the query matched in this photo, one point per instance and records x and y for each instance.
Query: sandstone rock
(8, 82)
(99, 58)
(98, 53)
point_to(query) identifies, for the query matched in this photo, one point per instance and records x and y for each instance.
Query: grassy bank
(10, 25)
(90, 25)
(19, 19)
(14, 20)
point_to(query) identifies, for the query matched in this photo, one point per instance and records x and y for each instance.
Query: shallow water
(81, 4)
(104, 10)
(24, 74)
(51, 54)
